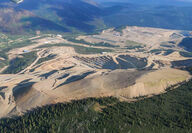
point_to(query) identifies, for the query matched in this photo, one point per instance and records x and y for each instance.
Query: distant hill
(58, 15)
(18, 21)
(161, 16)
(88, 16)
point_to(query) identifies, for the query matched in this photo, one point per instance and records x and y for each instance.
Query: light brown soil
(48, 78)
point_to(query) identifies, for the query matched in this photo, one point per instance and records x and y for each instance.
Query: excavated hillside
(52, 69)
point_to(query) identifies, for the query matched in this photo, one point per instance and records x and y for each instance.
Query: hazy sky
(186, 0)
(143, 0)
(153, 2)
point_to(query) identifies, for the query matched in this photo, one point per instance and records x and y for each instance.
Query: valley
(126, 63)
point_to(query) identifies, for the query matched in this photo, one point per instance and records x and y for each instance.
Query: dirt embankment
(123, 84)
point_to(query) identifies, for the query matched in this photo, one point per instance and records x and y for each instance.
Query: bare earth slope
(140, 66)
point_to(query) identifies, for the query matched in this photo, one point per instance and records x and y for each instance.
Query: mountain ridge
(87, 16)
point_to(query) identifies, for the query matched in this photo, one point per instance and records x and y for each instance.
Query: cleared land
(133, 63)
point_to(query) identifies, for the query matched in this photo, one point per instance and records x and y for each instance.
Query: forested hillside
(79, 16)
(166, 113)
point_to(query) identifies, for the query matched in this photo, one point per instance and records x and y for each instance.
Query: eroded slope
(64, 70)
